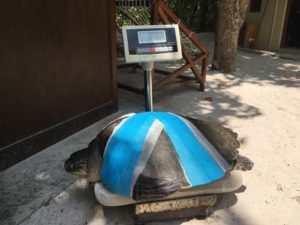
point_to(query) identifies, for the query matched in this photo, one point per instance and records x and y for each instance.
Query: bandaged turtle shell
(154, 154)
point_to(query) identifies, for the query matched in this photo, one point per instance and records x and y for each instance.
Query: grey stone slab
(77, 205)
(32, 183)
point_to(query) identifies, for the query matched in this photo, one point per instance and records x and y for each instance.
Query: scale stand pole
(148, 68)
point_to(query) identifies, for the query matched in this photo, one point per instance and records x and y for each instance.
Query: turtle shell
(155, 154)
(162, 171)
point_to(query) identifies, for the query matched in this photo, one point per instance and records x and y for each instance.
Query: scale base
(175, 209)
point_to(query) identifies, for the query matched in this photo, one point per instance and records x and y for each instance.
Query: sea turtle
(161, 172)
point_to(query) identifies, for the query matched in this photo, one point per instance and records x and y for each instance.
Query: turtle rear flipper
(243, 163)
(152, 188)
(223, 139)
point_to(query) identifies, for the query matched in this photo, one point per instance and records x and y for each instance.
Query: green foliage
(138, 15)
(198, 15)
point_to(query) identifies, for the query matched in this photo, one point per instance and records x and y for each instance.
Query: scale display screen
(154, 36)
(151, 43)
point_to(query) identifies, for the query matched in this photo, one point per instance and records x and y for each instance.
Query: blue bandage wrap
(126, 148)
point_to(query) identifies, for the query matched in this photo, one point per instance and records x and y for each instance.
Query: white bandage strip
(148, 146)
(126, 117)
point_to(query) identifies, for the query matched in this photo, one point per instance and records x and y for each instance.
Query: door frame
(285, 26)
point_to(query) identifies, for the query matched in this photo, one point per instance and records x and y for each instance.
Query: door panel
(56, 64)
(293, 33)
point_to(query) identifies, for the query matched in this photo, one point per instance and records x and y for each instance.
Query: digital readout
(152, 36)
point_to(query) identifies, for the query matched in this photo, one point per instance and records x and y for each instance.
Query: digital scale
(146, 45)
(149, 44)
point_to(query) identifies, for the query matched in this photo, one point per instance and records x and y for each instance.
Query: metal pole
(148, 91)
(148, 68)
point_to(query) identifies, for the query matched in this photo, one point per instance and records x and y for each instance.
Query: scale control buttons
(154, 50)
(164, 49)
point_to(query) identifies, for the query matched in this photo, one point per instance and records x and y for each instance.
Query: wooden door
(57, 71)
(293, 30)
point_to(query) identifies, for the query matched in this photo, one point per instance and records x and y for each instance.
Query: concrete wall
(269, 22)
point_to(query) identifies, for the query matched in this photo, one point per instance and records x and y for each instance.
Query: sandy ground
(260, 101)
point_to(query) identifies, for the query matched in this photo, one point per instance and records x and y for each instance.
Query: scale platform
(189, 203)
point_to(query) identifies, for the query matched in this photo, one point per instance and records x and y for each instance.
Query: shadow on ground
(218, 102)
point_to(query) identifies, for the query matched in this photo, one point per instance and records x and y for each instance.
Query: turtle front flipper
(223, 139)
(154, 188)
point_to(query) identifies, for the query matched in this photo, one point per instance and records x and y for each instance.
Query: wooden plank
(194, 69)
(164, 13)
(154, 13)
(175, 74)
(174, 209)
(133, 3)
(203, 73)
(182, 26)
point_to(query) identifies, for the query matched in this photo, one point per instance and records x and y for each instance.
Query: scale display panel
(152, 36)
(151, 43)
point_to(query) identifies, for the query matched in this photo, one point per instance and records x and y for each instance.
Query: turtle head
(77, 164)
